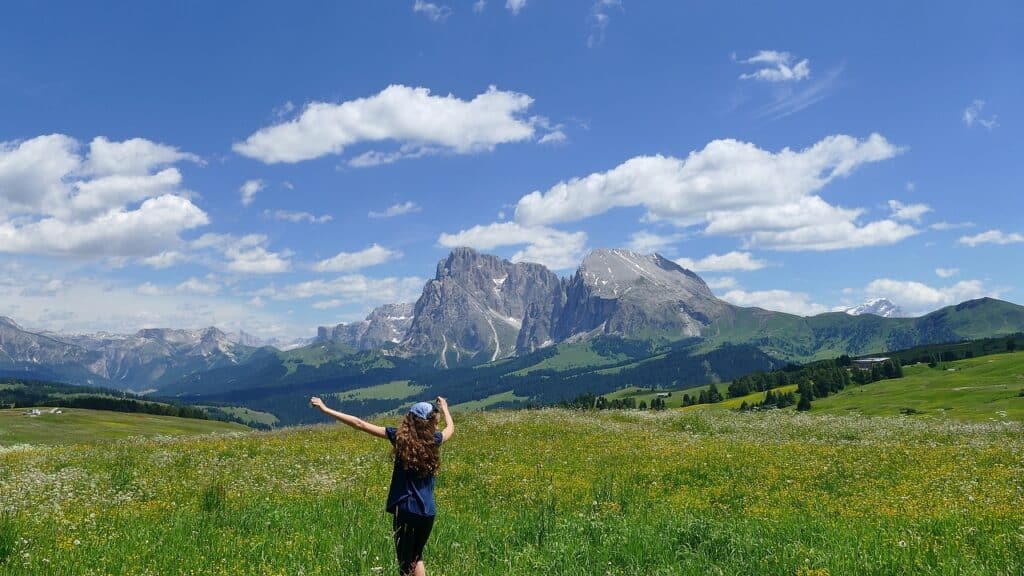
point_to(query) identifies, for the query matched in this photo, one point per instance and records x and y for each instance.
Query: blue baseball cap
(422, 409)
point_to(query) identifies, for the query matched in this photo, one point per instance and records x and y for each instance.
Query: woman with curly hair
(416, 446)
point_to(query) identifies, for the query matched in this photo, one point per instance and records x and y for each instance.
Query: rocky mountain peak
(879, 307)
(9, 323)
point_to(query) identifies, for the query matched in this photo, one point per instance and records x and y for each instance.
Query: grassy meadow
(78, 425)
(536, 492)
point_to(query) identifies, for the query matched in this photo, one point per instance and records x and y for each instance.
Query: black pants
(411, 532)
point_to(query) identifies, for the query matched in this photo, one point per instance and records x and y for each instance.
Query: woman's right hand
(316, 402)
(442, 403)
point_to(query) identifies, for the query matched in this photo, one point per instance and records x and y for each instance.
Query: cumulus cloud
(435, 12)
(407, 207)
(787, 301)
(921, 298)
(973, 115)
(420, 122)
(297, 217)
(351, 261)
(911, 212)
(114, 199)
(776, 67)
(553, 248)
(946, 272)
(733, 188)
(249, 190)
(719, 263)
(992, 237)
(245, 254)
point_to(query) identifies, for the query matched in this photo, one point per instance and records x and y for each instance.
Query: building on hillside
(868, 363)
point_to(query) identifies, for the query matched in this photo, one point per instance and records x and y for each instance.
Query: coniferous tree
(804, 404)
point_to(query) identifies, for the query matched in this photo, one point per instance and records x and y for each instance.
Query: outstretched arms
(357, 423)
(449, 424)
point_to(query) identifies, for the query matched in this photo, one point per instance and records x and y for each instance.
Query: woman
(416, 448)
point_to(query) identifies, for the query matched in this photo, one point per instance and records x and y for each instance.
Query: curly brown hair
(415, 447)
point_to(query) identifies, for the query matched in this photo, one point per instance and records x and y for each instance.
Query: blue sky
(274, 167)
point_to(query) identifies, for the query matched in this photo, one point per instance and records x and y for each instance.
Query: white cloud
(149, 289)
(788, 101)
(198, 286)
(779, 300)
(118, 199)
(407, 207)
(600, 17)
(88, 304)
(946, 272)
(951, 225)
(419, 121)
(479, 6)
(972, 115)
(554, 137)
(920, 298)
(779, 67)
(351, 261)
(514, 6)
(328, 304)
(553, 248)
(722, 283)
(165, 259)
(297, 217)
(911, 212)
(249, 190)
(718, 263)
(648, 242)
(733, 188)
(246, 254)
(992, 237)
(352, 289)
(435, 12)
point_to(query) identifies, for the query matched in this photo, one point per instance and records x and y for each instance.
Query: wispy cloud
(249, 190)
(972, 115)
(789, 101)
(776, 67)
(407, 207)
(297, 217)
(435, 12)
(992, 237)
(600, 17)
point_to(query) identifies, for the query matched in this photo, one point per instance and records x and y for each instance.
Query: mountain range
(481, 309)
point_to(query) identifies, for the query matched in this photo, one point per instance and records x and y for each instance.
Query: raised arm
(357, 423)
(449, 424)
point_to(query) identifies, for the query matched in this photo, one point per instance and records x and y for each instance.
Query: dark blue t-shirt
(409, 491)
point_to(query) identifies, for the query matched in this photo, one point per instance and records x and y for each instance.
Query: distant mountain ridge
(480, 308)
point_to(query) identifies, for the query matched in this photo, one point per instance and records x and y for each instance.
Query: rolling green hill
(81, 426)
(980, 389)
(803, 339)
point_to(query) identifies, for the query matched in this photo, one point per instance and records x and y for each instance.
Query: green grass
(249, 415)
(396, 390)
(78, 425)
(485, 403)
(569, 356)
(536, 492)
(978, 389)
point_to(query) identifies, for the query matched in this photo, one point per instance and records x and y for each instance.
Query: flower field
(535, 492)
